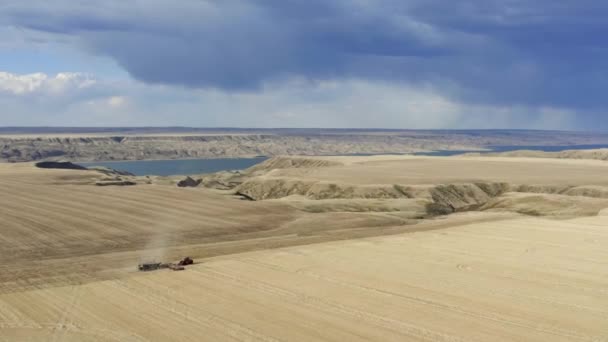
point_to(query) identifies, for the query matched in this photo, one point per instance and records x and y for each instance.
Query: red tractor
(185, 261)
(152, 266)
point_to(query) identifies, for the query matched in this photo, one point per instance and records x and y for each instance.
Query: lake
(447, 153)
(546, 148)
(199, 166)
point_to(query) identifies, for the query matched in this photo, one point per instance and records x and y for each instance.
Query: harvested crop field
(433, 170)
(513, 280)
(341, 248)
(59, 229)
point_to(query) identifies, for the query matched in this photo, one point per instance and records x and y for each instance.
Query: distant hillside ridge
(107, 144)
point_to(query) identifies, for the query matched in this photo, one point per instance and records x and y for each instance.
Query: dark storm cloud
(537, 53)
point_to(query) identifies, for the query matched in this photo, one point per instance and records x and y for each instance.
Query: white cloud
(40, 82)
(21, 84)
(117, 101)
(34, 99)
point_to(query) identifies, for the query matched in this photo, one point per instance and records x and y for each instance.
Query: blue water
(178, 167)
(199, 166)
(546, 148)
(447, 153)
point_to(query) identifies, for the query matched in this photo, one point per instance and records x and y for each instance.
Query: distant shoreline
(131, 144)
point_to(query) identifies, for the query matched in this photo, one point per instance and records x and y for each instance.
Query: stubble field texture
(303, 249)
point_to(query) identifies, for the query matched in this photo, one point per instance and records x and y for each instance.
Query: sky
(536, 64)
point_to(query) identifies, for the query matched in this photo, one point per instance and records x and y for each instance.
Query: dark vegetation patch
(59, 165)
